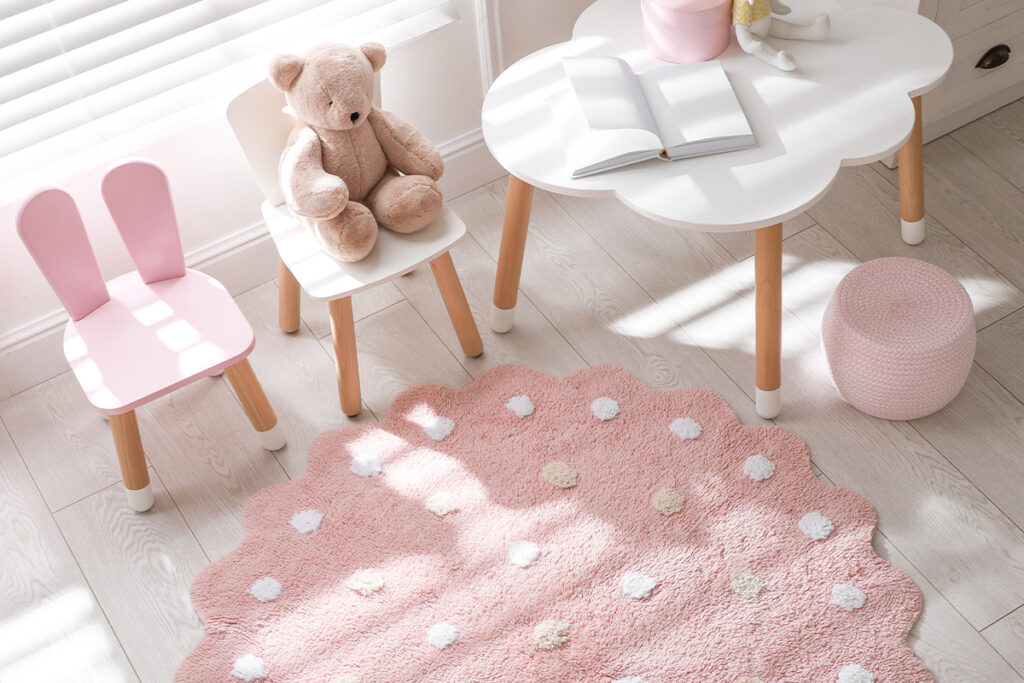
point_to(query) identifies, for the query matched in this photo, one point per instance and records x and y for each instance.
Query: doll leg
(405, 203)
(350, 235)
(816, 31)
(755, 45)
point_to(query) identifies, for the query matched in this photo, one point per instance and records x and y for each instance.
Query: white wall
(528, 25)
(437, 82)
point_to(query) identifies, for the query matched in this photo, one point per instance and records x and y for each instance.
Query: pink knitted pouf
(899, 338)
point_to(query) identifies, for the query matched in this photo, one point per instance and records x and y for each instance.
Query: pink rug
(532, 529)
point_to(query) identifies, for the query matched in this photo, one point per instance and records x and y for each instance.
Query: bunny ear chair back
(148, 332)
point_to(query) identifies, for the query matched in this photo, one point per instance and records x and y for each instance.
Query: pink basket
(685, 31)
(899, 338)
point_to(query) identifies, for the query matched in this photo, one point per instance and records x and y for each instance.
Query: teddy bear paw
(408, 203)
(349, 236)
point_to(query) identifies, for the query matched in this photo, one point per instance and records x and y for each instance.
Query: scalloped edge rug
(532, 528)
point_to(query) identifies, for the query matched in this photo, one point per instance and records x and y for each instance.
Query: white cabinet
(960, 17)
(969, 92)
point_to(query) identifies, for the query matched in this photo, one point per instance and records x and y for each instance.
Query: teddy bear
(348, 165)
(754, 22)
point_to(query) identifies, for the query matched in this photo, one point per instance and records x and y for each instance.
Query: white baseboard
(33, 353)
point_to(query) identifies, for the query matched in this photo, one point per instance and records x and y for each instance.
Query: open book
(612, 117)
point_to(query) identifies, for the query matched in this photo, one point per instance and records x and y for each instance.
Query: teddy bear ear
(284, 69)
(376, 53)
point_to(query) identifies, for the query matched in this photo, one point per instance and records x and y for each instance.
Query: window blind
(74, 73)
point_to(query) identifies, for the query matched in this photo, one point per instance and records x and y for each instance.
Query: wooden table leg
(458, 308)
(768, 281)
(510, 255)
(343, 331)
(256, 405)
(128, 442)
(911, 162)
(287, 299)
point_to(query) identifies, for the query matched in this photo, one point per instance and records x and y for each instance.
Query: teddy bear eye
(330, 103)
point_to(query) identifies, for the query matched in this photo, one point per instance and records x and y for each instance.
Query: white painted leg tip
(140, 500)
(273, 439)
(913, 232)
(105, 416)
(502, 319)
(768, 403)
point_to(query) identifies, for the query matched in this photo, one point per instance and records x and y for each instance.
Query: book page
(609, 93)
(694, 103)
(588, 150)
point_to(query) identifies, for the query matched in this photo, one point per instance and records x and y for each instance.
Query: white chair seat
(326, 279)
(262, 127)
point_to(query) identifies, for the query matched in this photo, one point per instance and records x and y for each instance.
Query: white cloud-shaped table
(850, 102)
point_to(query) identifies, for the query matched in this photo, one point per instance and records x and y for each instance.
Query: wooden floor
(92, 591)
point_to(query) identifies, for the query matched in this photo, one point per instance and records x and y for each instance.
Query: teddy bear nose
(354, 117)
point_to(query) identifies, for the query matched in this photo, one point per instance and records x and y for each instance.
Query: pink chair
(145, 333)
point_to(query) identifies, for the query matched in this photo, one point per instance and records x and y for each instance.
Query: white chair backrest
(262, 127)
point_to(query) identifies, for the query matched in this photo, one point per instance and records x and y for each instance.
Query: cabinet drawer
(960, 17)
(966, 84)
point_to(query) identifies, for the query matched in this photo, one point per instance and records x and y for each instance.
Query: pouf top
(904, 302)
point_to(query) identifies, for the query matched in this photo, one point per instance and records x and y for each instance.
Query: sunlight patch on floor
(718, 311)
(61, 638)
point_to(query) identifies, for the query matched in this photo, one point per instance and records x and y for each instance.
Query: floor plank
(586, 295)
(982, 434)
(976, 204)
(66, 444)
(140, 567)
(740, 245)
(862, 212)
(1000, 350)
(533, 341)
(398, 350)
(952, 650)
(209, 459)
(998, 140)
(949, 646)
(298, 376)
(1007, 636)
(5, 389)
(317, 317)
(51, 627)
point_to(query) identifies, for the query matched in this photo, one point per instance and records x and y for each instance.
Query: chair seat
(151, 339)
(326, 279)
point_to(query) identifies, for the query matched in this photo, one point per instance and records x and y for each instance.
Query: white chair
(262, 127)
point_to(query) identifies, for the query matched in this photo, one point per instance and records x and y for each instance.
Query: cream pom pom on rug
(532, 528)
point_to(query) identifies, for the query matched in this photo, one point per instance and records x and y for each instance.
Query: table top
(848, 103)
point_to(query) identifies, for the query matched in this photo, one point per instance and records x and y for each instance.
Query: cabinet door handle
(994, 58)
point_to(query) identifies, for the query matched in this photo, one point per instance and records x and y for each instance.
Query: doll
(754, 22)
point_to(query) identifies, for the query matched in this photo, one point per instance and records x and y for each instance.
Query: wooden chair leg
(911, 159)
(256, 406)
(288, 299)
(343, 331)
(458, 308)
(131, 456)
(510, 254)
(768, 283)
